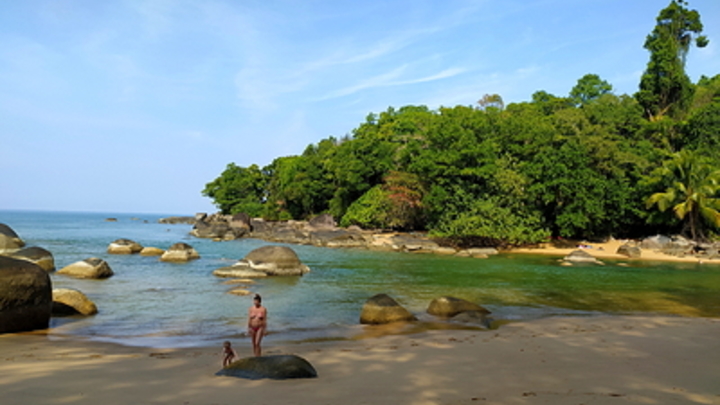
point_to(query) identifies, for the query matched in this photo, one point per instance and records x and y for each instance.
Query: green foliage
(369, 211)
(238, 189)
(665, 87)
(590, 87)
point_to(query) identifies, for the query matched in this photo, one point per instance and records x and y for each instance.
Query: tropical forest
(589, 164)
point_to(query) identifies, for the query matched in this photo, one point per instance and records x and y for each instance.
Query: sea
(150, 303)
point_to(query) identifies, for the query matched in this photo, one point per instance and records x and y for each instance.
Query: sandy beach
(595, 360)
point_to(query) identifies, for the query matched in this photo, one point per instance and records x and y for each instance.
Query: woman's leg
(257, 338)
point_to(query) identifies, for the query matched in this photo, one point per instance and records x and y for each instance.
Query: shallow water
(151, 303)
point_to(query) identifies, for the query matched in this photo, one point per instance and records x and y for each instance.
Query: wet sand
(594, 360)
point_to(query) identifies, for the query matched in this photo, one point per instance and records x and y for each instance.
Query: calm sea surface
(151, 303)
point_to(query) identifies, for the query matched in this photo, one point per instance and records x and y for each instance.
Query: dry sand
(595, 360)
(607, 251)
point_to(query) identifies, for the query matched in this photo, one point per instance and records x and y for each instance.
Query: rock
(37, 255)
(442, 250)
(337, 238)
(478, 253)
(323, 221)
(629, 250)
(480, 318)
(177, 220)
(93, 267)
(286, 233)
(240, 281)
(180, 252)
(9, 240)
(25, 296)
(239, 291)
(656, 242)
(67, 301)
(151, 251)
(210, 230)
(240, 223)
(382, 309)
(448, 307)
(276, 367)
(581, 256)
(110, 219)
(239, 271)
(274, 261)
(124, 247)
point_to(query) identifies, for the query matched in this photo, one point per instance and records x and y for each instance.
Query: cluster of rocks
(680, 247)
(179, 252)
(320, 231)
(382, 309)
(27, 299)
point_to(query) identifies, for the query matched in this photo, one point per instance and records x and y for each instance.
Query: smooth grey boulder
(656, 242)
(9, 240)
(180, 252)
(381, 309)
(325, 221)
(68, 301)
(448, 307)
(274, 261)
(94, 268)
(124, 247)
(25, 296)
(629, 251)
(581, 256)
(479, 318)
(337, 238)
(37, 255)
(276, 367)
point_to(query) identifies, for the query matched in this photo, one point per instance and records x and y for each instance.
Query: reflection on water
(152, 303)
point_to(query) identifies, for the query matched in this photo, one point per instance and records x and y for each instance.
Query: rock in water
(274, 261)
(124, 247)
(25, 296)
(581, 256)
(277, 367)
(9, 240)
(88, 268)
(382, 309)
(67, 301)
(180, 252)
(448, 307)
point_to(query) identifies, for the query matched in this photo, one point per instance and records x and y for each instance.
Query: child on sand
(228, 353)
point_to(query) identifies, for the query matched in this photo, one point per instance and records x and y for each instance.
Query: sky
(133, 106)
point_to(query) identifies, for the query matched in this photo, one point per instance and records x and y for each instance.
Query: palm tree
(693, 194)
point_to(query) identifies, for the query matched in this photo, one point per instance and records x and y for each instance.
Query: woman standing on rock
(257, 324)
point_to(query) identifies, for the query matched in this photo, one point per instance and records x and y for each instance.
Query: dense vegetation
(586, 165)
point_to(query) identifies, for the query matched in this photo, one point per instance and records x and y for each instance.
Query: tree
(589, 88)
(238, 189)
(491, 101)
(692, 194)
(665, 88)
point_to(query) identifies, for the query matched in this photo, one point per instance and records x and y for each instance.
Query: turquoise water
(151, 303)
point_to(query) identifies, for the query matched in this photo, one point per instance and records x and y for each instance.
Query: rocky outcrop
(25, 296)
(478, 253)
(382, 309)
(277, 367)
(93, 268)
(179, 253)
(9, 240)
(224, 227)
(124, 247)
(266, 261)
(657, 242)
(67, 302)
(177, 220)
(629, 250)
(448, 307)
(581, 256)
(323, 221)
(37, 255)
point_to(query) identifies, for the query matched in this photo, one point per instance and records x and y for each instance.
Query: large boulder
(177, 220)
(37, 255)
(447, 307)
(180, 252)
(124, 247)
(274, 261)
(323, 221)
(9, 240)
(276, 367)
(581, 256)
(211, 230)
(657, 242)
(66, 301)
(239, 270)
(478, 318)
(94, 268)
(240, 223)
(629, 250)
(382, 309)
(337, 238)
(151, 251)
(25, 296)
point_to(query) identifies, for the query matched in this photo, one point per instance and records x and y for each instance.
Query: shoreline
(564, 360)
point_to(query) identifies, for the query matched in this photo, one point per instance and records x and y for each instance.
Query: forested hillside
(586, 165)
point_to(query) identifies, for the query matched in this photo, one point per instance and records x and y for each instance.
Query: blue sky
(133, 106)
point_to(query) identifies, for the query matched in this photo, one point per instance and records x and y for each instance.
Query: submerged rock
(382, 309)
(277, 367)
(25, 296)
(581, 256)
(448, 307)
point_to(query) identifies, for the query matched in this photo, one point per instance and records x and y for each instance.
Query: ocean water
(156, 304)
